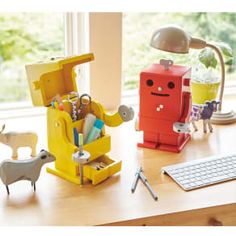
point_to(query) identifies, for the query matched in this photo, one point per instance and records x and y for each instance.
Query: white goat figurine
(16, 140)
(12, 171)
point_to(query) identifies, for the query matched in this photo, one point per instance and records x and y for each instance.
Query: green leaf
(207, 58)
(225, 49)
(229, 62)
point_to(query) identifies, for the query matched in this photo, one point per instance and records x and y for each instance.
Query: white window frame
(77, 43)
(101, 34)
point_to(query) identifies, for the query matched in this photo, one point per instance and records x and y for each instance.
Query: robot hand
(126, 113)
(179, 127)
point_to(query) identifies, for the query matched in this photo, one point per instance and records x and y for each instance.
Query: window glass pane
(26, 38)
(139, 27)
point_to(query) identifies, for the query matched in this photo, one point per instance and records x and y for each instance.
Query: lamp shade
(171, 39)
(174, 39)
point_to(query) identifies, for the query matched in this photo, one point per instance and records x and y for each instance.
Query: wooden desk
(58, 202)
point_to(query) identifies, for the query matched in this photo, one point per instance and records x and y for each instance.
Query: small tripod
(139, 175)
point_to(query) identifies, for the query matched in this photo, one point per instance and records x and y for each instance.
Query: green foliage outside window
(26, 38)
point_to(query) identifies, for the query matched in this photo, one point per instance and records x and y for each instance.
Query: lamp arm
(222, 65)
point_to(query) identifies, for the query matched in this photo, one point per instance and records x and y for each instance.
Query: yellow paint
(48, 79)
(204, 92)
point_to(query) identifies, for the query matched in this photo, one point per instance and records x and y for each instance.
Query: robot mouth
(160, 94)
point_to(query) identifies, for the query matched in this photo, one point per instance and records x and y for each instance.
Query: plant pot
(204, 92)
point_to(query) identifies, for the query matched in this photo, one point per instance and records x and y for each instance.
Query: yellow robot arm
(123, 114)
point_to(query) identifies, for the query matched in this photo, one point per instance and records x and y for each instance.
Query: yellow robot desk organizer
(56, 78)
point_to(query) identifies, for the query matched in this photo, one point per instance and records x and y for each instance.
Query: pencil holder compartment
(97, 147)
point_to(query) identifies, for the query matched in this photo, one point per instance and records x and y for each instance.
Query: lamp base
(223, 118)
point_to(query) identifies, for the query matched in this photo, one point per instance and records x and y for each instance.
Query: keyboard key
(199, 183)
(217, 178)
(231, 175)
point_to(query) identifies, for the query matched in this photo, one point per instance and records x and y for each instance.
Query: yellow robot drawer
(100, 169)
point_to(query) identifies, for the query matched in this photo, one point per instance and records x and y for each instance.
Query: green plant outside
(26, 38)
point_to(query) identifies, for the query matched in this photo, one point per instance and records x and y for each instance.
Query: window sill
(19, 110)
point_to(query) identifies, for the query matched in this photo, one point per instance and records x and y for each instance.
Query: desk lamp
(176, 40)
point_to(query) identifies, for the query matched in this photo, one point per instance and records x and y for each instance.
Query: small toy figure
(12, 171)
(204, 113)
(165, 101)
(16, 140)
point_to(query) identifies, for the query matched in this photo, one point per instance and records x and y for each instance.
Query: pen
(81, 143)
(145, 182)
(134, 185)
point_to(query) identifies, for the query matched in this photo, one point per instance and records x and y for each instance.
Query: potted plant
(206, 78)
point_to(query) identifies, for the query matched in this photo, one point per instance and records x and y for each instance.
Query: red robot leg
(150, 140)
(173, 142)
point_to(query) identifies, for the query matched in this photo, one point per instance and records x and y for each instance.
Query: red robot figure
(165, 103)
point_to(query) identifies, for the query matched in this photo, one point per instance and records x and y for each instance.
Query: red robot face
(160, 96)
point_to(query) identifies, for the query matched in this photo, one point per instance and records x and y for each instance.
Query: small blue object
(95, 131)
(98, 124)
(76, 137)
(52, 104)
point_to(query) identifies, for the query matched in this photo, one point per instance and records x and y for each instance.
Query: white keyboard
(203, 172)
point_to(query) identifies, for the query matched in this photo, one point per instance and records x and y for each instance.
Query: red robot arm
(187, 104)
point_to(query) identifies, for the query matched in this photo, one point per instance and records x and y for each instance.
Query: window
(138, 29)
(26, 38)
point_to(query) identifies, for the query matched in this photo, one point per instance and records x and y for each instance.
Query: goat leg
(14, 153)
(210, 126)
(33, 151)
(205, 126)
(8, 192)
(34, 187)
(194, 126)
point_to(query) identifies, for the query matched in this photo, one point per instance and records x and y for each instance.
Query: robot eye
(171, 85)
(149, 83)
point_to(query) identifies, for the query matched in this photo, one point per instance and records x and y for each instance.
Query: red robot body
(164, 100)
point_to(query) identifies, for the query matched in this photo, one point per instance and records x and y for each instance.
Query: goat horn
(3, 127)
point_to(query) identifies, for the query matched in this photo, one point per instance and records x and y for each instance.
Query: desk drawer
(213, 216)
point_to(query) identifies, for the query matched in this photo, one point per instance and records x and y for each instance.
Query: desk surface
(58, 202)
